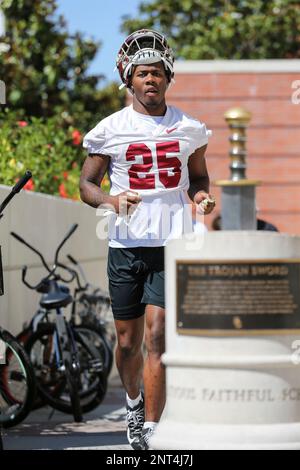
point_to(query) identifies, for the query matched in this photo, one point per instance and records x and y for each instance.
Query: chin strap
(172, 82)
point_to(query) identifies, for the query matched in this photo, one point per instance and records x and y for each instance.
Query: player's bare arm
(199, 181)
(92, 173)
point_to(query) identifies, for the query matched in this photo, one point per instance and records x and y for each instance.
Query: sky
(101, 21)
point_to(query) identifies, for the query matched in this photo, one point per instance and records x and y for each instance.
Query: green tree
(224, 29)
(45, 68)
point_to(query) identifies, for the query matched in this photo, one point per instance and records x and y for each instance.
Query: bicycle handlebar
(24, 271)
(21, 183)
(80, 269)
(72, 260)
(15, 189)
(74, 276)
(70, 232)
(21, 240)
(56, 263)
(58, 277)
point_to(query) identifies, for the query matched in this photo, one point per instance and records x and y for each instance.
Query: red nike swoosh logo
(168, 131)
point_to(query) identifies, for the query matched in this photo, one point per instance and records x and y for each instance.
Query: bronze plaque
(238, 297)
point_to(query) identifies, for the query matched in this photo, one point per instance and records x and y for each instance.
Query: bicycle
(17, 380)
(70, 370)
(91, 308)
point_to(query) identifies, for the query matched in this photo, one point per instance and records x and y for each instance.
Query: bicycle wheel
(23, 338)
(99, 315)
(96, 336)
(51, 378)
(17, 383)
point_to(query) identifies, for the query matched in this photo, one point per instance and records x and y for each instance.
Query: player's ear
(131, 87)
(129, 84)
(171, 81)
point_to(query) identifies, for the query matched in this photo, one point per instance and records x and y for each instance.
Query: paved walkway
(103, 428)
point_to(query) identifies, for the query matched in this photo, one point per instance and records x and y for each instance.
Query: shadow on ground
(103, 428)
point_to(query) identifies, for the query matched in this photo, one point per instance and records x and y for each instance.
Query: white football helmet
(144, 47)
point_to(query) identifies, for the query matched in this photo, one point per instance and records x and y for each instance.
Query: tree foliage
(45, 69)
(51, 152)
(224, 29)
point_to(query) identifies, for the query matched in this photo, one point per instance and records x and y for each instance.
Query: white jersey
(150, 158)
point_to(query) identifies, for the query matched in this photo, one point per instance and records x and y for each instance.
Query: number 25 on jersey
(169, 168)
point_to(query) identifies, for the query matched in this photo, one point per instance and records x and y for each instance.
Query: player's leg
(126, 285)
(126, 290)
(154, 370)
(129, 360)
(129, 357)
(154, 373)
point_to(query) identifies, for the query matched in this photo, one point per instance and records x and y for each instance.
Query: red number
(136, 182)
(165, 165)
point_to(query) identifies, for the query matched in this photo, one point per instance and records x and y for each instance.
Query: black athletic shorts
(136, 278)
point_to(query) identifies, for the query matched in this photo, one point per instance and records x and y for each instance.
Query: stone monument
(232, 328)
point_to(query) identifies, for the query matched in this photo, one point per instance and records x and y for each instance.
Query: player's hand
(125, 203)
(205, 202)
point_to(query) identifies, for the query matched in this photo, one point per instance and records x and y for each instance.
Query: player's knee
(155, 341)
(128, 348)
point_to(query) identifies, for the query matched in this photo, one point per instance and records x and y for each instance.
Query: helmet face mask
(141, 48)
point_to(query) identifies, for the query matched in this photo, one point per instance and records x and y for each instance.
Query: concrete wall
(43, 221)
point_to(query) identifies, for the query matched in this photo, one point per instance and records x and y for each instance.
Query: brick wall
(273, 135)
(206, 89)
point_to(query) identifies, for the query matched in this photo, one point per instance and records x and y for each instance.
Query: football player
(154, 156)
